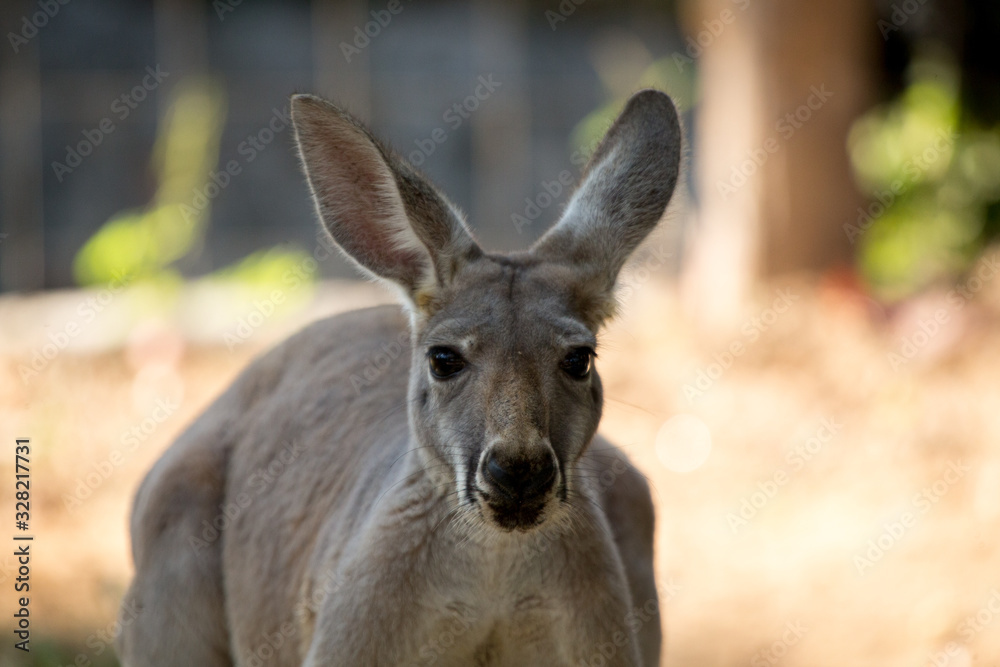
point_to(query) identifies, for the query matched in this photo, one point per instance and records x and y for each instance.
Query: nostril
(521, 478)
(505, 479)
(541, 479)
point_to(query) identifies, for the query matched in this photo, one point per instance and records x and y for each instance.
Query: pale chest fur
(470, 598)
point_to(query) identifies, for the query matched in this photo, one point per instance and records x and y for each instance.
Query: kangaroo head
(503, 393)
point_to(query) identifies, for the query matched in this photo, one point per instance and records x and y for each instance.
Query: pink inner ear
(359, 202)
(389, 259)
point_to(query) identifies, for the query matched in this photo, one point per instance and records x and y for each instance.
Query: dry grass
(793, 562)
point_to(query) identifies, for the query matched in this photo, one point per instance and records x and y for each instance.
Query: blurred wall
(498, 151)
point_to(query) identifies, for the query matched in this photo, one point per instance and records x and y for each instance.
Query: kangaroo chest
(517, 623)
(501, 603)
(414, 595)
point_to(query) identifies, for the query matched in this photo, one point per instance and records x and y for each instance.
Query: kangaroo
(452, 504)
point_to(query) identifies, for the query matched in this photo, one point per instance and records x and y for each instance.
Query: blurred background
(806, 362)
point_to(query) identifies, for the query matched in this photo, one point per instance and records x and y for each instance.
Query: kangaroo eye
(577, 362)
(444, 362)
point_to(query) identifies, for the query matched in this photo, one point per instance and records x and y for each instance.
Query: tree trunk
(781, 82)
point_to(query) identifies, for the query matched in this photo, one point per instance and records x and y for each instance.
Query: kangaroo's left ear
(625, 190)
(385, 216)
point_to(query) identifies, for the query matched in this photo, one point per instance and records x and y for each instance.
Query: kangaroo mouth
(514, 507)
(512, 514)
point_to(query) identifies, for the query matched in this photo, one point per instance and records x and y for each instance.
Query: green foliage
(264, 271)
(935, 176)
(142, 244)
(50, 652)
(264, 268)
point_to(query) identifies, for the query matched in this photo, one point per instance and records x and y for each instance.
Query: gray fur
(358, 525)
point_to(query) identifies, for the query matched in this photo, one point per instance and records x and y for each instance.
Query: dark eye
(444, 362)
(577, 362)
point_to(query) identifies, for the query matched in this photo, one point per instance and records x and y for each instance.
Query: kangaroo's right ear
(625, 189)
(385, 216)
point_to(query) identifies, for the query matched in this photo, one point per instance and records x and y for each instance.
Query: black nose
(520, 478)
